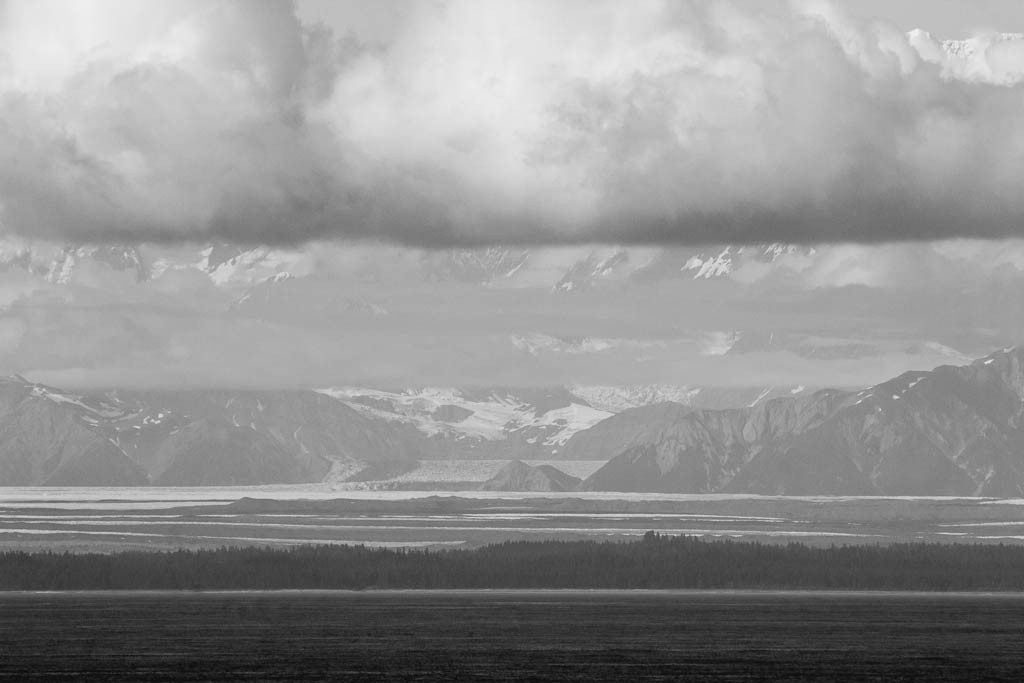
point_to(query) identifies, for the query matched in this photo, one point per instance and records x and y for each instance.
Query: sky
(475, 122)
(947, 19)
(496, 192)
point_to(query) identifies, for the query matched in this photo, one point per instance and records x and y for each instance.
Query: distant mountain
(43, 441)
(208, 452)
(503, 423)
(229, 265)
(724, 261)
(115, 257)
(713, 262)
(951, 431)
(574, 270)
(226, 265)
(49, 436)
(57, 264)
(589, 271)
(518, 476)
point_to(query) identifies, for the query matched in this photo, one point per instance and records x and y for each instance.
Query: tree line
(655, 561)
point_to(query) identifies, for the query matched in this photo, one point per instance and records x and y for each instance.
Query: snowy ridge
(249, 267)
(57, 264)
(724, 263)
(94, 408)
(707, 267)
(558, 270)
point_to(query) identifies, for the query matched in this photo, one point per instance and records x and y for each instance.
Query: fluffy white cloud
(483, 121)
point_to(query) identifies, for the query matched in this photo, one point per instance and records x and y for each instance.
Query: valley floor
(159, 518)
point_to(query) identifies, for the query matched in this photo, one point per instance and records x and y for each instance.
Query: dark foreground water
(510, 636)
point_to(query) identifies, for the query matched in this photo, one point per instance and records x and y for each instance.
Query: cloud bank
(471, 122)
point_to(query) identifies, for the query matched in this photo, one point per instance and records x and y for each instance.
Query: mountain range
(954, 430)
(240, 268)
(49, 436)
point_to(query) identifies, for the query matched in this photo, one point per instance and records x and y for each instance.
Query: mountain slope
(49, 436)
(207, 452)
(45, 444)
(951, 431)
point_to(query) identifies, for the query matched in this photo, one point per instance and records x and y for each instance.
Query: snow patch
(707, 267)
(493, 417)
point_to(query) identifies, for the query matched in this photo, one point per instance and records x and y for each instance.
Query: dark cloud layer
(480, 121)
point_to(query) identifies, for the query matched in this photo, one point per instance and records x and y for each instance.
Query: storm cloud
(475, 122)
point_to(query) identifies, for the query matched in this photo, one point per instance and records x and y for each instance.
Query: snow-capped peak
(707, 267)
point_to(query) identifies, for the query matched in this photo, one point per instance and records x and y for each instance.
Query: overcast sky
(361, 139)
